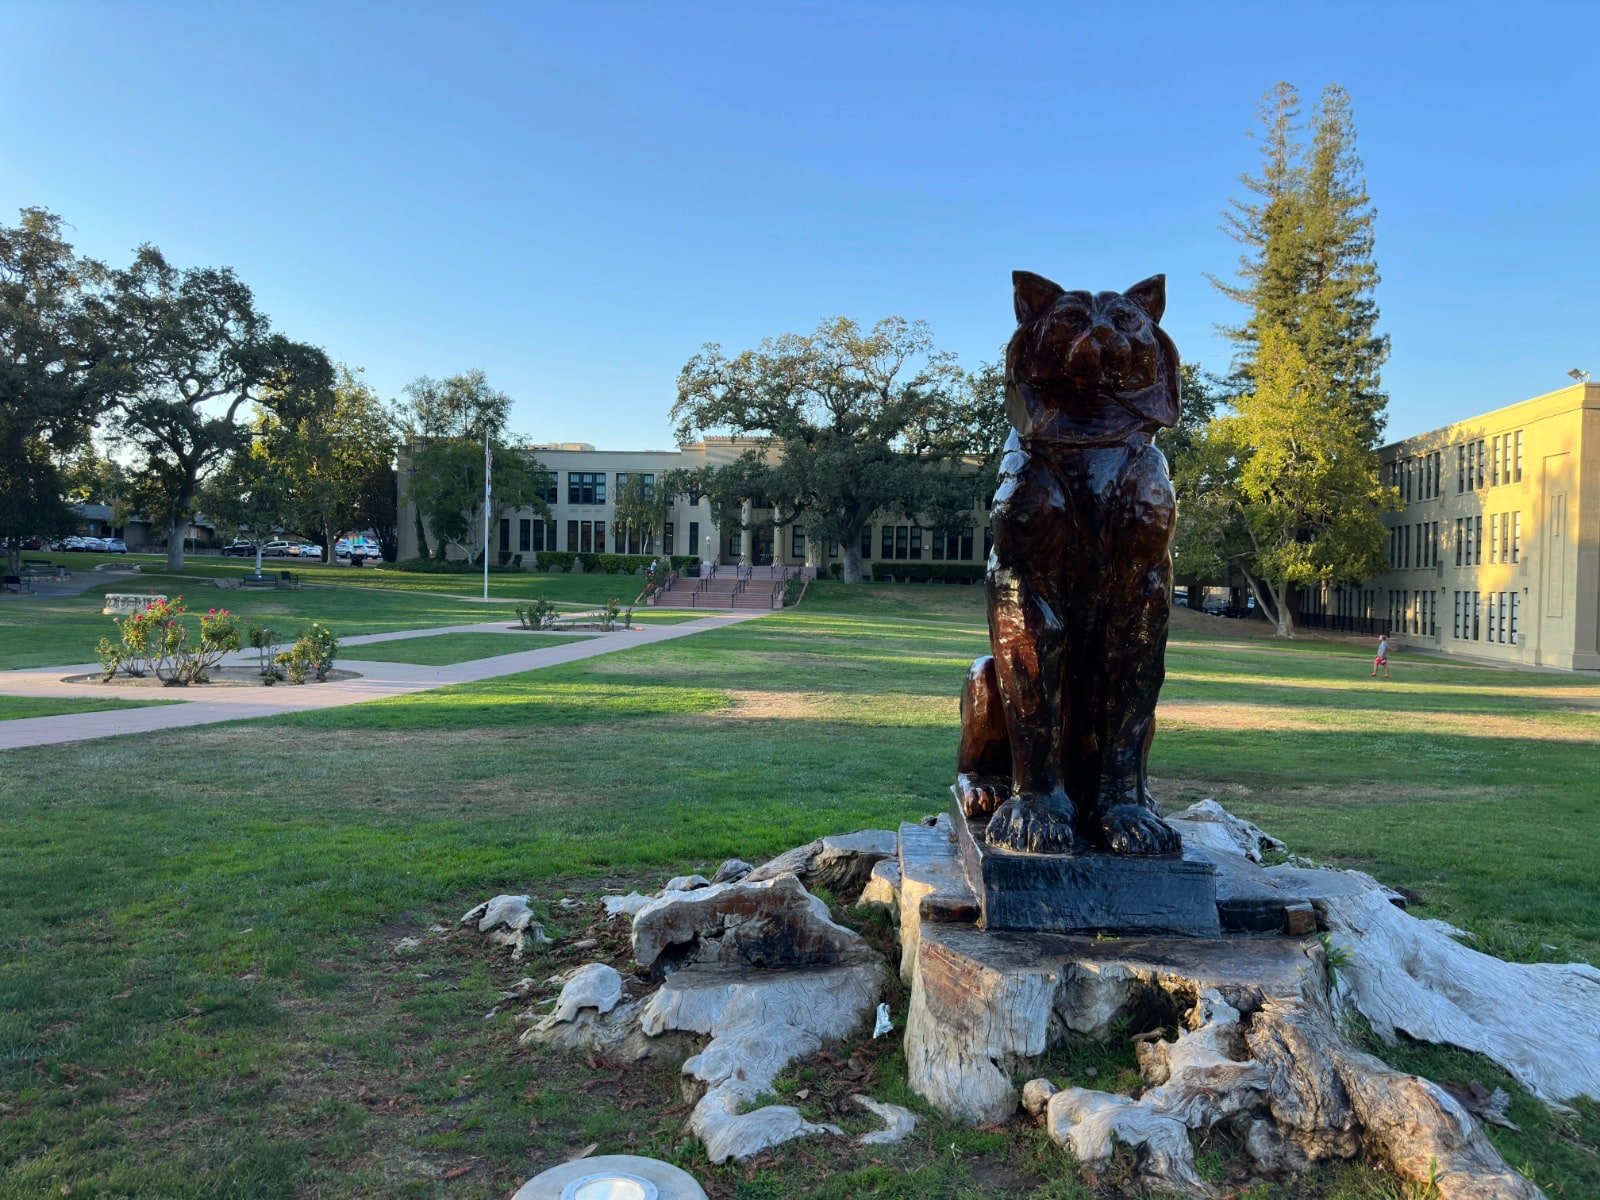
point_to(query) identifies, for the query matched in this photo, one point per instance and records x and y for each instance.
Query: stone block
(1087, 893)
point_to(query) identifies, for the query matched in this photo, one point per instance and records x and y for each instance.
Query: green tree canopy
(1285, 487)
(202, 352)
(61, 367)
(849, 423)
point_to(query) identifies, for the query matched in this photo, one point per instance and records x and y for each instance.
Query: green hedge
(609, 564)
(448, 566)
(920, 572)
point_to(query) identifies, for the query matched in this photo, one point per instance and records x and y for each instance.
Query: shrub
(155, 639)
(453, 566)
(312, 654)
(554, 560)
(922, 572)
(264, 641)
(539, 614)
(613, 609)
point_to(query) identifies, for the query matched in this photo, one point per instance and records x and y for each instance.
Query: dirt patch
(1187, 620)
(1263, 718)
(760, 705)
(218, 677)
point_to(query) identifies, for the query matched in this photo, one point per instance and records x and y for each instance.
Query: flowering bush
(312, 654)
(155, 640)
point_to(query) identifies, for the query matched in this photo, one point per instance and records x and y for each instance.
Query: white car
(94, 545)
(277, 549)
(310, 551)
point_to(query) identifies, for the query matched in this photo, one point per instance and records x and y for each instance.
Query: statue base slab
(1086, 893)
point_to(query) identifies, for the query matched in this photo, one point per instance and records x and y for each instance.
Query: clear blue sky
(574, 197)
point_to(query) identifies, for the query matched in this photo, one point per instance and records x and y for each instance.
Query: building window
(666, 538)
(599, 537)
(900, 541)
(1475, 612)
(572, 537)
(1405, 546)
(1455, 628)
(966, 544)
(1516, 536)
(1494, 537)
(735, 550)
(797, 541)
(1477, 538)
(505, 535)
(544, 485)
(1515, 598)
(1518, 436)
(936, 551)
(586, 487)
(866, 542)
(1472, 465)
(585, 537)
(916, 541)
(1494, 462)
(887, 550)
(694, 538)
(524, 535)
(1481, 456)
(1461, 469)
(1490, 630)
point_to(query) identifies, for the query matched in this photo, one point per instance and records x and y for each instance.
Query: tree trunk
(175, 543)
(852, 561)
(327, 542)
(422, 536)
(258, 555)
(1270, 601)
(13, 556)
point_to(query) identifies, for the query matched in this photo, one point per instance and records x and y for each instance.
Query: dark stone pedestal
(1087, 893)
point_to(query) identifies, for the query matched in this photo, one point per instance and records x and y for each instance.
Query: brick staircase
(729, 588)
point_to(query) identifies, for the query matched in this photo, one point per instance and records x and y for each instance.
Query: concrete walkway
(378, 681)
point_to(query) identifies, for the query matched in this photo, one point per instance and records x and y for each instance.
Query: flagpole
(488, 466)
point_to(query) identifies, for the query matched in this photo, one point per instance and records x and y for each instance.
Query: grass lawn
(14, 708)
(209, 1002)
(442, 649)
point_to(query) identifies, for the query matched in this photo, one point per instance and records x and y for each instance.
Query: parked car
(239, 548)
(69, 543)
(277, 549)
(310, 551)
(341, 548)
(116, 546)
(94, 545)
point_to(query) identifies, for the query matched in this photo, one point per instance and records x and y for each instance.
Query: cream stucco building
(1495, 551)
(585, 482)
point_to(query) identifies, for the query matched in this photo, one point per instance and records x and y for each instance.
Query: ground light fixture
(612, 1177)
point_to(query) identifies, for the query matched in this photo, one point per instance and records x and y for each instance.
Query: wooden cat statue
(1056, 723)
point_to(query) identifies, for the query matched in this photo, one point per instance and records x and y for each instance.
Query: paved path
(378, 680)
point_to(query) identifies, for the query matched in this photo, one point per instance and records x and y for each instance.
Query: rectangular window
(1494, 462)
(1405, 546)
(1460, 541)
(1494, 537)
(599, 537)
(866, 541)
(1475, 612)
(694, 538)
(572, 537)
(1518, 437)
(524, 535)
(1516, 536)
(1504, 605)
(887, 549)
(1481, 465)
(505, 535)
(797, 541)
(666, 538)
(966, 544)
(1472, 465)
(916, 541)
(1461, 469)
(649, 487)
(1455, 629)
(1477, 539)
(900, 541)
(938, 545)
(586, 537)
(586, 487)
(1515, 599)
(544, 485)
(1490, 626)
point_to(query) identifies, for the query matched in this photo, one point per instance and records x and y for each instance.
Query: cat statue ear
(1033, 294)
(1150, 295)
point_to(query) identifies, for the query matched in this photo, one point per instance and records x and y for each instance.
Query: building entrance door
(763, 548)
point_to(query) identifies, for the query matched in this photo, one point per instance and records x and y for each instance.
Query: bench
(287, 579)
(128, 602)
(16, 583)
(251, 579)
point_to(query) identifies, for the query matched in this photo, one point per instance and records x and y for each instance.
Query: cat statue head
(1090, 368)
